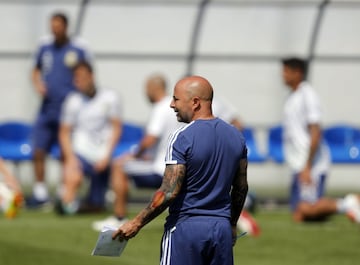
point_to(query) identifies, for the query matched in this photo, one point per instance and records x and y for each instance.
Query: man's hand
(305, 175)
(41, 88)
(234, 235)
(127, 230)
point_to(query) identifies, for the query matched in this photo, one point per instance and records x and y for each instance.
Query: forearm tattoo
(171, 185)
(239, 191)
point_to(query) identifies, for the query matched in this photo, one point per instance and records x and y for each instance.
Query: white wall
(254, 87)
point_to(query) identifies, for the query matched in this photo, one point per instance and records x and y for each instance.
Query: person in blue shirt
(204, 183)
(52, 79)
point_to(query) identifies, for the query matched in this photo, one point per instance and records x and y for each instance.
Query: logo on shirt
(47, 62)
(70, 59)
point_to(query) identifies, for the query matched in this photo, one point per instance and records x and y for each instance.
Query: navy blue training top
(211, 151)
(56, 65)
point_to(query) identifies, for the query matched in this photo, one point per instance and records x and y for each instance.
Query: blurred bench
(15, 141)
(344, 143)
(275, 144)
(254, 154)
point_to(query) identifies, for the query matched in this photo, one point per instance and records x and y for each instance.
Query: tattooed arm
(238, 194)
(170, 188)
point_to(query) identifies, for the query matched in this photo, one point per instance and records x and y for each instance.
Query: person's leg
(222, 251)
(8, 178)
(312, 204)
(99, 183)
(72, 180)
(295, 199)
(39, 190)
(42, 138)
(121, 171)
(120, 186)
(323, 208)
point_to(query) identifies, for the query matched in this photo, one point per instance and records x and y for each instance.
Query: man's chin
(179, 119)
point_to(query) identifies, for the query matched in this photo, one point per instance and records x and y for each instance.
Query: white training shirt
(90, 120)
(223, 110)
(302, 108)
(162, 123)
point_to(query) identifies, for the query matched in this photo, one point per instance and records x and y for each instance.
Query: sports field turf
(36, 238)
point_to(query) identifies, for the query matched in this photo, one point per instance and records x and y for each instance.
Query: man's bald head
(197, 86)
(192, 99)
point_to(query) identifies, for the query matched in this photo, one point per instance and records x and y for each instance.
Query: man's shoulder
(107, 93)
(74, 97)
(164, 102)
(306, 87)
(79, 43)
(162, 108)
(186, 129)
(46, 41)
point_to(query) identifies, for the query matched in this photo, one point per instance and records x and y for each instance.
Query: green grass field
(36, 238)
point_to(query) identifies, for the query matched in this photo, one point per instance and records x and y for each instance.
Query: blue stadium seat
(15, 141)
(344, 143)
(275, 144)
(131, 135)
(253, 153)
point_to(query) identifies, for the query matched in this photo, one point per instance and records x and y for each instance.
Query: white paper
(105, 246)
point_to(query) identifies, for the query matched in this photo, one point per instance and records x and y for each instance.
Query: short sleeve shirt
(161, 124)
(302, 108)
(211, 151)
(90, 119)
(55, 64)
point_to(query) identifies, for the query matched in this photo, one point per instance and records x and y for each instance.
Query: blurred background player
(145, 166)
(52, 78)
(11, 196)
(89, 131)
(306, 153)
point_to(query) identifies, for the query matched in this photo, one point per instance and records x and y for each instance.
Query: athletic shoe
(10, 201)
(66, 208)
(352, 204)
(87, 208)
(247, 223)
(34, 203)
(110, 221)
(14, 205)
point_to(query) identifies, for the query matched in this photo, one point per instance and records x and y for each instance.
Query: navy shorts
(45, 134)
(311, 195)
(198, 241)
(98, 183)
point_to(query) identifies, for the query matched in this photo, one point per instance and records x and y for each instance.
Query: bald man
(145, 165)
(204, 183)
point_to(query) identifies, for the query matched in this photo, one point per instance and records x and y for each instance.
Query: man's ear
(196, 103)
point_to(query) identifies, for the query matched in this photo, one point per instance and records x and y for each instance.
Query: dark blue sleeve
(38, 56)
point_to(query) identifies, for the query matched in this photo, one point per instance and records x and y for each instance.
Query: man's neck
(61, 41)
(91, 92)
(296, 85)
